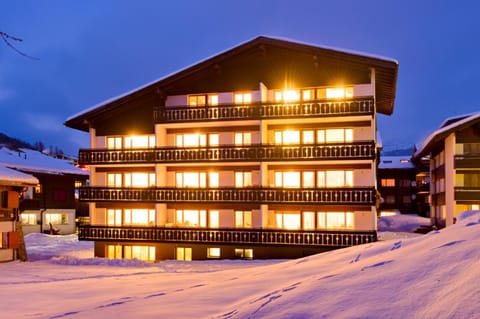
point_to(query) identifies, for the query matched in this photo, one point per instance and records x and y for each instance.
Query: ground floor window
(145, 253)
(244, 253)
(56, 219)
(183, 253)
(29, 219)
(213, 252)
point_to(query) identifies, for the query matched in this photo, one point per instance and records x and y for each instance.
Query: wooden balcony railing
(328, 108)
(226, 236)
(330, 196)
(467, 161)
(467, 193)
(230, 153)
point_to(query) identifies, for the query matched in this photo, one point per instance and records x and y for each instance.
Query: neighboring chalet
(267, 150)
(52, 201)
(454, 154)
(12, 184)
(402, 184)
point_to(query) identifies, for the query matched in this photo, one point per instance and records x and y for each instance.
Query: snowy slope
(429, 276)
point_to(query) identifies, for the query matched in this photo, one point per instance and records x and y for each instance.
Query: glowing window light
(114, 142)
(321, 136)
(213, 139)
(184, 253)
(291, 179)
(242, 98)
(213, 252)
(214, 218)
(278, 179)
(308, 179)
(335, 135)
(114, 217)
(243, 179)
(278, 137)
(140, 180)
(213, 99)
(321, 182)
(190, 179)
(321, 220)
(114, 252)
(291, 95)
(140, 141)
(190, 140)
(139, 216)
(291, 137)
(29, 219)
(348, 135)
(308, 220)
(335, 220)
(243, 138)
(349, 220)
(114, 180)
(145, 253)
(335, 178)
(308, 137)
(307, 95)
(348, 178)
(213, 179)
(288, 220)
(243, 219)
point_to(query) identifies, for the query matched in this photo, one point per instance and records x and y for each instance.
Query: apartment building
(454, 154)
(267, 150)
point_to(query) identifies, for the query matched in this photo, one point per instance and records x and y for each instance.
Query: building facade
(267, 150)
(454, 154)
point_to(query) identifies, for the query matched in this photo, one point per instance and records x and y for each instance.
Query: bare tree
(8, 38)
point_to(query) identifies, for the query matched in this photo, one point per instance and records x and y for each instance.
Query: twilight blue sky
(92, 50)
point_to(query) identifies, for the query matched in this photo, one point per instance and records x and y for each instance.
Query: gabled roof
(31, 161)
(268, 60)
(448, 126)
(396, 162)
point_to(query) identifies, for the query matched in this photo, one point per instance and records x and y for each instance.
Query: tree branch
(6, 37)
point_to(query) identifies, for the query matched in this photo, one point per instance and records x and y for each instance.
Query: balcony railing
(230, 153)
(467, 161)
(226, 236)
(330, 196)
(467, 193)
(359, 106)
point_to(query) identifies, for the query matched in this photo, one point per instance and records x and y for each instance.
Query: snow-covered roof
(448, 126)
(10, 176)
(28, 160)
(395, 162)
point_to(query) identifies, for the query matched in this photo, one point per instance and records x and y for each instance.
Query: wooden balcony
(467, 194)
(323, 196)
(227, 112)
(467, 161)
(230, 153)
(226, 236)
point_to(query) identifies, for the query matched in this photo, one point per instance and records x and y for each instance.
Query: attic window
(404, 161)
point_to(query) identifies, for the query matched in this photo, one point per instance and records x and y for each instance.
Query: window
(287, 179)
(191, 218)
(114, 217)
(243, 219)
(243, 179)
(388, 182)
(334, 178)
(29, 219)
(138, 216)
(191, 140)
(308, 220)
(341, 135)
(288, 95)
(139, 179)
(145, 253)
(335, 220)
(244, 253)
(133, 141)
(203, 100)
(308, 137)
(114, 251)
(308, 179)
(242, 98)
(213, 218)
(287, 137)
(308, 94)
(184, 253)
(56, 219)
(114, 180)
(197, 179)
(288, 220)
(213, 252)
(335, 93)
(243, 138)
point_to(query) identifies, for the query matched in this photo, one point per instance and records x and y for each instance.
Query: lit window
(334, 178)
(388, 182)
(243, 219)
(243, 98)
(191, 140)
(214, 218)
(288, 220)
(243, 138)
(213, 179)
(287, 137)
(137, 216)
(213, 252)
(213, 140)
(191, 218)
(287, 179)
(56, 219)
(307, 94)
(114, 180)
(184, 253)
(287, 96)
(321, 136)
(338, 93)
(308, 179)
(29, 219)
(308, 220)
(244, 253)
(139, 179)
(191, 179)
(308, 137)
(145, 253)
(203, 100)
(141, 141)
(243, 179)
(335, 220)
(114, 252)
(114, 143)
(114, 217)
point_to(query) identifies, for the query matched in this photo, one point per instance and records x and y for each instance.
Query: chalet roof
(31, 161)
(268, 60)
(12, 177)
(448, 126)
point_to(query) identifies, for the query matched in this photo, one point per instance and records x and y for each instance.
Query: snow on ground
(428, 276)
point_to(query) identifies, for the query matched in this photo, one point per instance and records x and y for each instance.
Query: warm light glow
(213, 252)
(114, 180)
(56, 219)
(139, 141)
(339, 92)
(213, 139)
(243, 219)
(385, 213)
(308, 179)
(308, 220)
(139, 179)
(287, 137)
(29, 219)
(243, 138)
(214, 218)
(308, 137)
(212, 99)
(335, 220)
(114, 142)
(243, 98)
(191, 179)
(114, 217)
(191, 218)
(243, 179)
(307, 95)
(184, 253)
(288, 220)
(213, 180)
(288, 95)
(139, 217)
